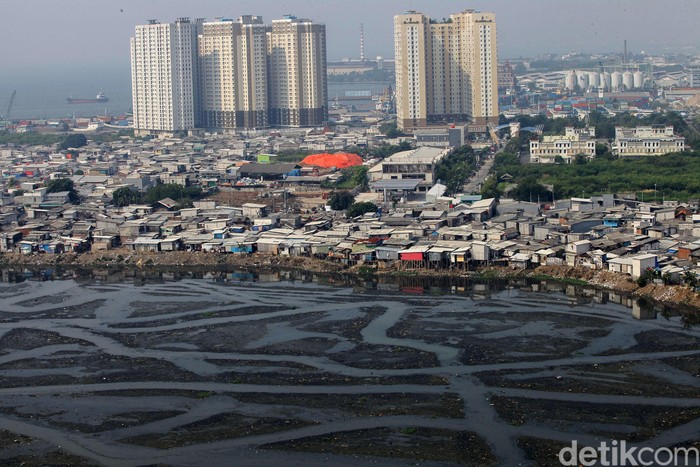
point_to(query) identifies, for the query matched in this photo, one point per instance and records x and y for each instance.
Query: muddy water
(294, 369)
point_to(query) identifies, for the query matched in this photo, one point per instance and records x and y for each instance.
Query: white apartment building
(233, 74)
(218, 62)
(298, 94)
(575, 141)
(252, 74)
(693, 72)
(226, 75)
(410, 46)
(446, 72)
(646, 141)
(164, 77)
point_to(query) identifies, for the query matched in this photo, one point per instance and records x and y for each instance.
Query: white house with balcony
(642, 141)
(575, 141)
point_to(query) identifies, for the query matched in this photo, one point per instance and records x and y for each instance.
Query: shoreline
(185, 261)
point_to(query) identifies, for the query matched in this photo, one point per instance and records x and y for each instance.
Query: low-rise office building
(451, 137)
(416, 166)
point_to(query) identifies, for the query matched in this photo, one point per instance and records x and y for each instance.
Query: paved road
(473, 185)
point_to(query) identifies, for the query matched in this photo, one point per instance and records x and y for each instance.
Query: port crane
(9, 106)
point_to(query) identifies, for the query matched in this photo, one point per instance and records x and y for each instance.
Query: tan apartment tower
(164, 77)
(298, 95)
(233, 74)
(447, 71)
(253, 81)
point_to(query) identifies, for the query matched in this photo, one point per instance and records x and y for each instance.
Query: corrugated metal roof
(417, 249)
(441, 249)
(396, 184)
(267, 169)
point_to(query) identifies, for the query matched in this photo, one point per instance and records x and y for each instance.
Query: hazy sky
(95, 33)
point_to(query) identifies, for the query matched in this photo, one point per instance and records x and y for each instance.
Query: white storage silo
(570, 81)
(605, 81)
(638, 80)
(582, 79)
(593, 80)
(628, 80)
(615, 80)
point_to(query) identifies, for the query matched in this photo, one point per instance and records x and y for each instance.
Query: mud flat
(136, 369)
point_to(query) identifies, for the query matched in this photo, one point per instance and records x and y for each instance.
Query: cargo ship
(98, 99)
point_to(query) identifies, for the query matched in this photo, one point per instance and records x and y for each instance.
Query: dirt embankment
(603, 279)
(673, 295)
(666, 294)
(197, 260)
(180, 260)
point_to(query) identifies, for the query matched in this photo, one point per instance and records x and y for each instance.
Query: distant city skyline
(86, 34)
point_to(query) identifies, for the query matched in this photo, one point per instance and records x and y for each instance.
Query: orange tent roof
(339, 160)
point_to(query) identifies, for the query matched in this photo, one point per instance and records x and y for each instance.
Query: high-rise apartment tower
(233, 74)
(298, 91)
(446, 71)
(164, 77)
(227, 75)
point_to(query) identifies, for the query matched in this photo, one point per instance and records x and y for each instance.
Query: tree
(359, 175)
(376, 75)
(74, 140)
(690, 279)
(667, 278)
(63, 184)
(341, 200)
(519, 69)
(490, 188)
(529, 189)
(359, 209)
(580, 159)
(125, 196)
(356, 176)
(505, 158)
(183, 194)
(292, 155)
(404, 146)
(381, 151)
(514, 145)
(390, 130)
(675, 175)
(29, 139)
(648, 275)
(601, 149)
(454, 169)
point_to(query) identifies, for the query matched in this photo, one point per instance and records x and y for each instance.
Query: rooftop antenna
(625, 56)
(362, 43)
